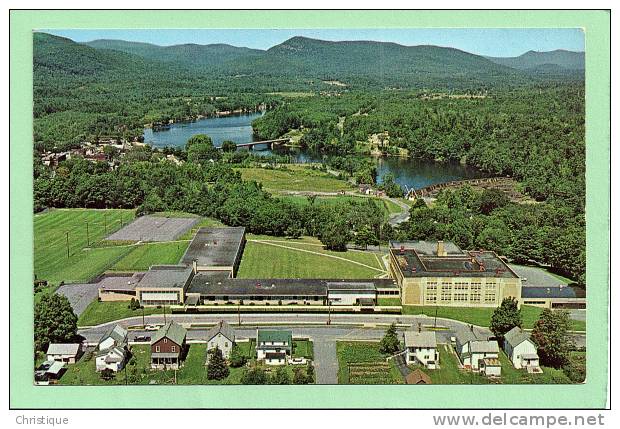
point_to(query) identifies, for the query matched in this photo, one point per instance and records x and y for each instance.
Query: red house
(168, 346)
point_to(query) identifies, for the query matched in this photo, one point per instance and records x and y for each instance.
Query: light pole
(67, 244)
(87, 239)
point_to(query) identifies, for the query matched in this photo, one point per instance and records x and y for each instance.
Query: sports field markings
(271, 243)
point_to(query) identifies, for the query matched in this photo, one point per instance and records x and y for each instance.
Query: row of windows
(447, 297)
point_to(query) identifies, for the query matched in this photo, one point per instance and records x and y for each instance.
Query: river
(409, 173)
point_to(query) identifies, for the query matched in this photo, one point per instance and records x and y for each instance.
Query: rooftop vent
(441, 250)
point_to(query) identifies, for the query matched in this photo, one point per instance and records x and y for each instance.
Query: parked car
(297, 361)
(142, 338)
(151, 328)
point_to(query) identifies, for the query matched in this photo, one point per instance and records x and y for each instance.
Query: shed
(418, 376)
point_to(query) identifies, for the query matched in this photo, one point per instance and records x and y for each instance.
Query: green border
(592, 394)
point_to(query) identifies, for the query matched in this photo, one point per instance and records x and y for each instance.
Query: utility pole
(87, 239)
(143, 323)
(105, 223)
(239, 313)
(435, 317)
(329, 312)
(67, 244)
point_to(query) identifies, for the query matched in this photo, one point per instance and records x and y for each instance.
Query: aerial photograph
(308, 206)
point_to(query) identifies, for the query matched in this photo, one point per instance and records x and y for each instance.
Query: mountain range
(568, 60)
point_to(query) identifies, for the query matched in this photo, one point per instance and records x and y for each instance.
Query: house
(521, 350)
(63, 352)
(221, 336)
(168, 346)
(418, 376)
(274, 346)
(421, 348)
(473, 350)
(112, 349)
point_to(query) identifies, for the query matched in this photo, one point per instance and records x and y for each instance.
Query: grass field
(102, 312)
(50, 243)
(269, 260)
(363, 363)
(386, 205)
(295, 178)
(141, 257)
(303, 348)
(482, 316)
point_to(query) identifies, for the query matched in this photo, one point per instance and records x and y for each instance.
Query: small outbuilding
(491, 367)
(418, 376)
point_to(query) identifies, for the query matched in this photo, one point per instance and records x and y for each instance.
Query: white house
(274, 346)
(521, 350)
(421, 347)
(473, 351)
(222, 336)
(112, 349)
(63, 352)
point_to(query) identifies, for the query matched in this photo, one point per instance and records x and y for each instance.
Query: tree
(216, 365)
(391, 188)
(389, 343)
(229, 146)
(281, 376)
(54, 321)
(310, 373)
(107, 374)
(134, 304)
(491, 199)
(505, 317)
(299, 377)
(237, 359)
(335, 235)
(200, 149)
(254, 376)
(551, 336)
(365, 236)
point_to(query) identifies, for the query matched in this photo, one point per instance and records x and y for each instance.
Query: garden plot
(154, 228)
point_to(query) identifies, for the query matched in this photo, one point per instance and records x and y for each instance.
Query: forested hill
(532, 60)
(189, 55)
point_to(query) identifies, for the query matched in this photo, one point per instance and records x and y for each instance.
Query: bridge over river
(270, 143)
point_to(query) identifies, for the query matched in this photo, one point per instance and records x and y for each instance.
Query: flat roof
(215, 247)
(120, 282)
(206, 283)
(553, 292)
(165, 277)
(426, 263)
(536, 277)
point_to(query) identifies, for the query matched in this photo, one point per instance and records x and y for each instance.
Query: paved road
(401, 217)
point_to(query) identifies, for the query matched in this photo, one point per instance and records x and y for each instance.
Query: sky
(506, 42)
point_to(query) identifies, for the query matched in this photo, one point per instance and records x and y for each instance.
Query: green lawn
(361, 362)
(388, 301)
(102, 312)
(295, 178)
(386, 205)
(482, 316)
(50, 243)
(141, 257)
(303, 348)
(266, 261)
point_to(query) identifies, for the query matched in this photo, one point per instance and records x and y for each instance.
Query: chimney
(195, 265)
(441, 250)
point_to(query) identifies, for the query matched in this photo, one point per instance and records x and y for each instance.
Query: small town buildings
(417, 376)
(351, 293)
(472, 350)
(521, 350)
(168, 346)
(67, 353)
(222, 336)
(440, 273)
(543, 289)
(421, 348)
(112, 350)
(274, 346)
